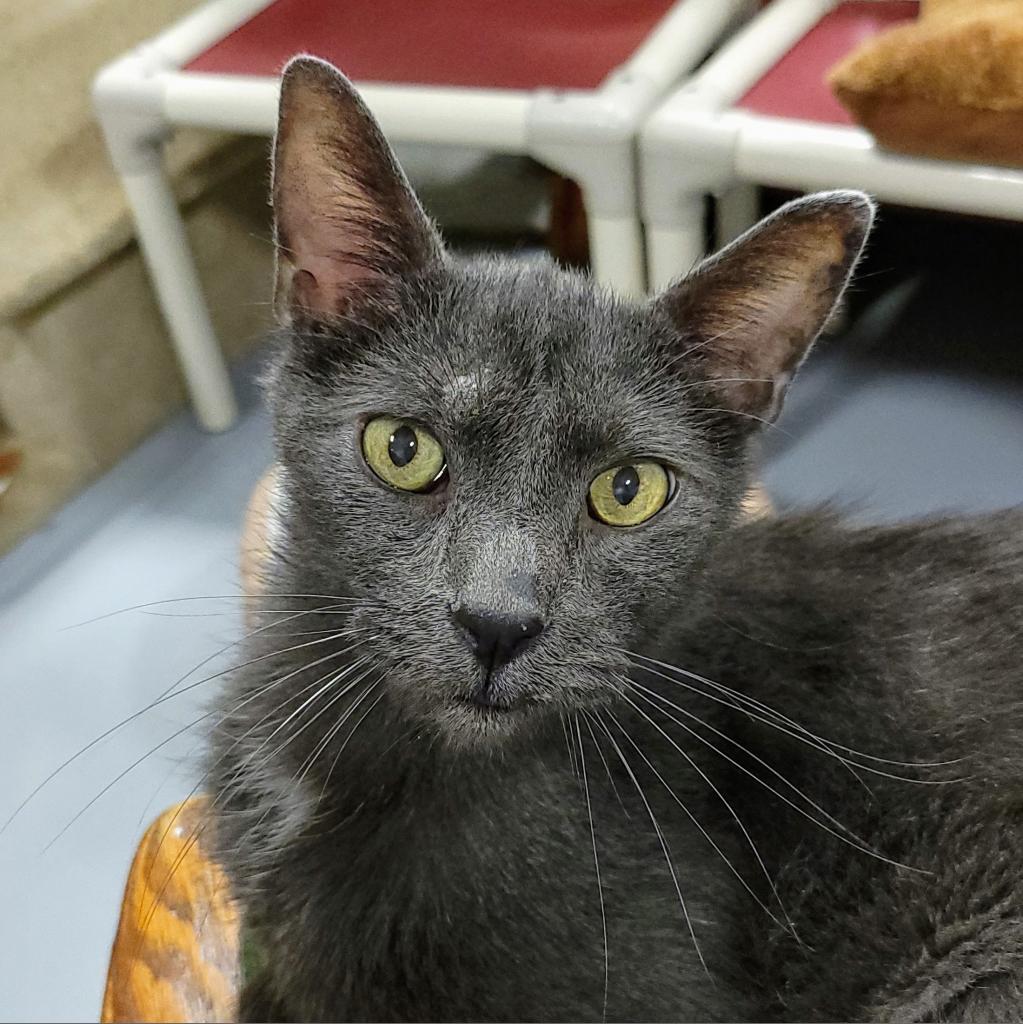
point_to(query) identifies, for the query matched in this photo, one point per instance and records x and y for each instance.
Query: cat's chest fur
(483, 902)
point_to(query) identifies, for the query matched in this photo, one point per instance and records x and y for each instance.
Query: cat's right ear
(746, 317)
(347, 225)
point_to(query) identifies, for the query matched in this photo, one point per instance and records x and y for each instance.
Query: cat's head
(511, 472)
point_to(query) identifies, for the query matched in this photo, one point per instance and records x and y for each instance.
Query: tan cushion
(949, 85)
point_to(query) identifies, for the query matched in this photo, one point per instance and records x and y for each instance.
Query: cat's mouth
(489, 710)
(490, 706)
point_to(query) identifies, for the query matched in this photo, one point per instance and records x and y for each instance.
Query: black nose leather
(497, 638)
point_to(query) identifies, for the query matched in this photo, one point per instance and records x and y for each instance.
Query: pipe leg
(616, 253)
(738, 209)
(674, 249)
(164, 244)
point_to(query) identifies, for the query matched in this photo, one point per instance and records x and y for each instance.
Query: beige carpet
(61, 208)
(85, 366)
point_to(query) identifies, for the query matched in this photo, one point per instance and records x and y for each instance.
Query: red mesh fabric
(503, 44)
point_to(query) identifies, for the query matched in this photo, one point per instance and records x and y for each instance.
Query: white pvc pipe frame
(500, 120)
(509, 121)
(682, 37)
(698, 124)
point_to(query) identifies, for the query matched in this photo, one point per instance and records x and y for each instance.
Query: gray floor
(888, 425)
(162, 525)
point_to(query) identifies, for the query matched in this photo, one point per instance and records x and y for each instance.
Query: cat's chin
(466, 724)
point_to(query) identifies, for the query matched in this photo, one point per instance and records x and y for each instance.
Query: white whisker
(659, 833)
(855, 842)
(596, 860)
(735, 817)
(797, 731)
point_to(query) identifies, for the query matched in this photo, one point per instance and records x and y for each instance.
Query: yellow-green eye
(629, 495)
(404, 455)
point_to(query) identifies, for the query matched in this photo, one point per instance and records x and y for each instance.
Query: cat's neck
(391, 757)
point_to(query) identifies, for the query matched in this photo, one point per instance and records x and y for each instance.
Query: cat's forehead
(535, 330)
(542, 363)
(530, 341)
(511, 367)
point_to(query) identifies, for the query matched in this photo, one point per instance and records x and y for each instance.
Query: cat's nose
(497, 637)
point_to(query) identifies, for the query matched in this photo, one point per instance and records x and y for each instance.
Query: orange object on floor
(176, 953)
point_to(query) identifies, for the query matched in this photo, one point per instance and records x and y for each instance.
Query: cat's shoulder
(825, 540)
(819, 564)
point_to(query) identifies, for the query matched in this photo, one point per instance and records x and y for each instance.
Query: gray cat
(537, 726)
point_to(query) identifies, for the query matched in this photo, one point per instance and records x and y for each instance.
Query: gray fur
(423, 861)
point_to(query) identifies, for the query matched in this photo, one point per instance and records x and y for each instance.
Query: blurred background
(120, 514)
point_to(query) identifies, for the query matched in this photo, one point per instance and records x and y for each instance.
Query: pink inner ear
(331, 277)
(319, 264)
(329, 293)
(346, 220)
(305, 292)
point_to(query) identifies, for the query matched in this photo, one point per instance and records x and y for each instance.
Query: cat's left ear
(747, 316)
(346, 222)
